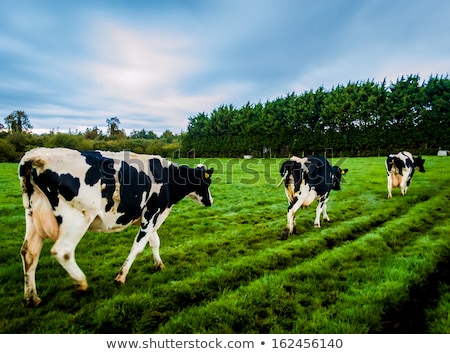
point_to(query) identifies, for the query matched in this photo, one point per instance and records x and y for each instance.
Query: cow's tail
(283, 178)
(35, 201)
(29, 167)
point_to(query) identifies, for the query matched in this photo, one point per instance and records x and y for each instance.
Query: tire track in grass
(210, 283)
(306, 244)
(296, 248)
(412, 315)
(392, 230)
(315, 297)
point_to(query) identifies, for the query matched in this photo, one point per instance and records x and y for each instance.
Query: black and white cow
(305, 180)
(400, 170)
(67, 192)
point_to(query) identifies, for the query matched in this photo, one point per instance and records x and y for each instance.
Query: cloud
(155, 64)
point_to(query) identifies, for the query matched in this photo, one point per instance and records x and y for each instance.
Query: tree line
(16, 138)
(363, 118)
(358, 119)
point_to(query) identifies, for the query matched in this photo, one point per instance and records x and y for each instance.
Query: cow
(400, 170)
(305, 180)
(68, 192)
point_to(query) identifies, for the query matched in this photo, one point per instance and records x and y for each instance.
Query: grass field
(380, 266)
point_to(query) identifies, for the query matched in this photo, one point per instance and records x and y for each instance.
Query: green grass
(367, 271)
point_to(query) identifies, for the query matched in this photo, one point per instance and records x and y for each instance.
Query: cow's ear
(208, 173)
(344, 171)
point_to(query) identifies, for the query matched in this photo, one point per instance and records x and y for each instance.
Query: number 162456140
(306, 343)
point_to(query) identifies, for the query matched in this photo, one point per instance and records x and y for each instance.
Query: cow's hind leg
(321, 209)
(294, 227)
(404, 185)
(290, 225)
(63, 250)
(389, 185)
(30, 251)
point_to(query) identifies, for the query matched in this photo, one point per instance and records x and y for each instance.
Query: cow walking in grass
(305, 180)
(400, 170)
(67, 192)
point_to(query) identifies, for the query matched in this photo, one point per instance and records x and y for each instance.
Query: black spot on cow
(53, 184)
(25, 171)
(156, 204)
(134, 186)
(295, 170)
(59, 219)
(320, 174)
(141, 235)
(102, 168)
(160, 173)
(291, 204)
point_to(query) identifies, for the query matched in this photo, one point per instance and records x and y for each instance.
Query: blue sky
(154, 64)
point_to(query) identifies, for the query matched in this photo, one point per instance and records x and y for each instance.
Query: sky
(71, 65)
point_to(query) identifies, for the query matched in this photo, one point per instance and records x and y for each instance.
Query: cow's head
(419, 163)
(201, 181)
(337, 173)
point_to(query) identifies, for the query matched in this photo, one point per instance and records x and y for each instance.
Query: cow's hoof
(159, 266)
(284, 235)
(118, 283)
(317, 226)
(32, 302)
(294, 230)
(82, 293)
(120, 279)
(81, 286)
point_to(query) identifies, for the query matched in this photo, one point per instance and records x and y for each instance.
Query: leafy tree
(113, 128)
(435, 123)
(142, 134)
(7, 151)
(93, 133)
(17, 122)
(167, 136)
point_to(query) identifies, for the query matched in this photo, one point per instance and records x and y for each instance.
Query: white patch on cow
(309, 195)
(299, 160)
(198, 199)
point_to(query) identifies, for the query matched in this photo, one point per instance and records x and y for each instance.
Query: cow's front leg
(150, 223)
(154, 244)
(138, 246)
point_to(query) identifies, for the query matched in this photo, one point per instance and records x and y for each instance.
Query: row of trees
(358, 119)
(16, 138)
